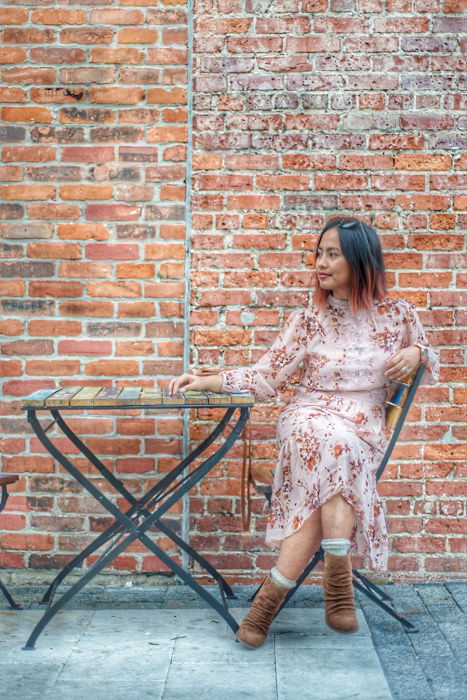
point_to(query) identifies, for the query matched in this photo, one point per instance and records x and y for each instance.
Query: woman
(350, 344)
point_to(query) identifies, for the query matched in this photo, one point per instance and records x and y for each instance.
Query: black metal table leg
(138, 505)
(133, 531)
(11, 602)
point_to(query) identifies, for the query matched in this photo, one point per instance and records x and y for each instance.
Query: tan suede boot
(338, 593)
(255, 627)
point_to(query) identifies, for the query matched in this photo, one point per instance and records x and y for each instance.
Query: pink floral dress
(331, 433)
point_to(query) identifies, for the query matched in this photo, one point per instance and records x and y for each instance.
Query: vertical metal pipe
(186, 336)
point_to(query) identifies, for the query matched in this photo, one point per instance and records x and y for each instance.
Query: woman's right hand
(185, 382)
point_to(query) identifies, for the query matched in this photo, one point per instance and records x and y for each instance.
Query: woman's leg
(338, 519)
(296, 551)
(298, 548)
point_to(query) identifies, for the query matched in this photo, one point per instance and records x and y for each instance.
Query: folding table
(147, 511)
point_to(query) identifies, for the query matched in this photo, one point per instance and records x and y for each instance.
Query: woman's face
(332, 269)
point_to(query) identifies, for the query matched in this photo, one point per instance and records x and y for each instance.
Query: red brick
(137, 36)
(102, 309)
(27, 192)
(26, 387)
(54, 368)
(120, 251)
(27, 542)
(12, 288)
(46, 327)
(32, 35)
(84, 347)
(83, 231)
(82, 270)
(172, 97)
(90, 35)
(53, 211)
(86, 154)
(58, 16)
(112, 212)
(118, 289)
(135, 271)
(117, 16)
(28, 347)
(116, 95)
(119, 368)
(127, 56)
(85, 192)
(27, 114)
(28, 154)
(57, 55)
(11, 368)
(69, 251)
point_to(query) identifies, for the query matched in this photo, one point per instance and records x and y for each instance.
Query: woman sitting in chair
(350, 343)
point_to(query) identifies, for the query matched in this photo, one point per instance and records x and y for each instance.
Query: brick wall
(301, 108)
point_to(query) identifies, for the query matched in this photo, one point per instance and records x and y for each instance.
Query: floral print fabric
(331, 434)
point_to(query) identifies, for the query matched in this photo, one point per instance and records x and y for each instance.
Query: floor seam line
(72, 651)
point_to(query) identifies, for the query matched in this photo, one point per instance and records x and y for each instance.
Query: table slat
(86, 396)
(150, 396)
(62, 397)
(129, 395)
(38, 397)
(107, 397)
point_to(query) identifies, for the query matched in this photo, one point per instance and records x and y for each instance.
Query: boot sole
(248, 646)
(336, 629)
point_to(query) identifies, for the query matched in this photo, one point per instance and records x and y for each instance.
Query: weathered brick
(57, 55)
(28, 154)
(90, 35)
(12, 55)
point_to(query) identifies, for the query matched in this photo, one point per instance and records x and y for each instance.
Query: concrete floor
(162, 642)
(168, 654)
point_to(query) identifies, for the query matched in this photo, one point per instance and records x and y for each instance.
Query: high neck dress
(331, 434)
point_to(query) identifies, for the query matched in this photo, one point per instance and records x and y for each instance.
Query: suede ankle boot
(338, 593)
(255, 627)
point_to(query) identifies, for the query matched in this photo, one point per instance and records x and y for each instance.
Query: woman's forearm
(212, 382)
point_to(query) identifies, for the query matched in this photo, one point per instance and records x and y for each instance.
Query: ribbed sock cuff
(280, 580)
(339, 546)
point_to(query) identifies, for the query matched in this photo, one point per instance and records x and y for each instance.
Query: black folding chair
(6, 479)
(397, 407)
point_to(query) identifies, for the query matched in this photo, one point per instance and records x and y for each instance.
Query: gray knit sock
(339, 546)
(280, 580)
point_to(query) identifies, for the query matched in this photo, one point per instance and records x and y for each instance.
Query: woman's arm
(192, 382)
(414, 344)
(273, 371)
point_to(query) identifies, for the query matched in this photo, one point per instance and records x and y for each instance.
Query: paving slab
(175, 653)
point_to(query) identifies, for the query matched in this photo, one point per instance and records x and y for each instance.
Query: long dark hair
(361, 248)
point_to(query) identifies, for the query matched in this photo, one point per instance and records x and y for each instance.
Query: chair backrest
(397, 407)
(8, 479)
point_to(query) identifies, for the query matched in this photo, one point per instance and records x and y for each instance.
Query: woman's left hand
(403, 363)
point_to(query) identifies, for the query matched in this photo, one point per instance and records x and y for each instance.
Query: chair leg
(369, 584)
(11, 602)
(408, 626)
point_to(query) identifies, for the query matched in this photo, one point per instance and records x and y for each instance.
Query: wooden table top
(91, 397)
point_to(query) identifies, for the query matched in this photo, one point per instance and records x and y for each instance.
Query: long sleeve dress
(331, 434)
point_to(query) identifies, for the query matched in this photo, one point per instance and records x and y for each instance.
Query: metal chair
(397, 407)
(6, 479)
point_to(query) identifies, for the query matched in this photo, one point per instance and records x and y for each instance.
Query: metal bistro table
(134, 523)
